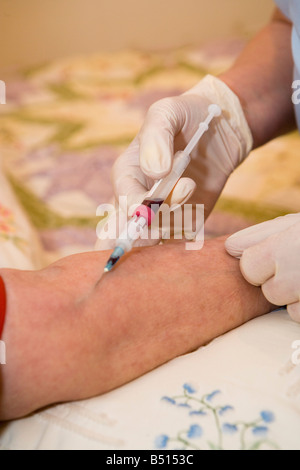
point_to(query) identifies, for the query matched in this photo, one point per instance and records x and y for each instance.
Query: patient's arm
(67, 340)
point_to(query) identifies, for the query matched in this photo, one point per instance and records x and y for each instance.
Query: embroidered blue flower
(194, 431)
(189, 388)
(224, 410)
(267, 416)
(212, 395)
(184, 405)
(161, 441)
(251, 434)
(169, 400)
(229, 428)
(197, 413)
(260, 430)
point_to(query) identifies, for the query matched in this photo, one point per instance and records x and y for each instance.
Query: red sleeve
(2, 305)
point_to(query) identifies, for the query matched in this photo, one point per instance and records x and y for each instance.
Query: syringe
(145, 213)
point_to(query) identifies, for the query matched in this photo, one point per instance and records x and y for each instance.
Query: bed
(64, 124)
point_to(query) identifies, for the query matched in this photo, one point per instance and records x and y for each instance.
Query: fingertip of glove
(294, 311)
(182, 191)
(155, 160)
(232, 247)
(155, 174)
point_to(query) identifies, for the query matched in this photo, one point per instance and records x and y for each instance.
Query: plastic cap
(215, 110)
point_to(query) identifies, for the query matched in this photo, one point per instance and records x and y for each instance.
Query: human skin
(262, 78)
(69, 337)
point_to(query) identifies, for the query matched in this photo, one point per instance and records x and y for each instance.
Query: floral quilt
(66, 122)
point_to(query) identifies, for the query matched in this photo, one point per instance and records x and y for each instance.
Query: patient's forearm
(167, 301)
(68, 340)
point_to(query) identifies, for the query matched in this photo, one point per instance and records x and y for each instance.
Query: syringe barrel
(145, 213)
(165, 186)
(162, 188)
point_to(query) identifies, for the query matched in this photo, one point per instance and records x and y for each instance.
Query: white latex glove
(169, 125)
(270, 258)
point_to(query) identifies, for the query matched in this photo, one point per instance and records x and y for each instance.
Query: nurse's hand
(270, 258)
(169, 125)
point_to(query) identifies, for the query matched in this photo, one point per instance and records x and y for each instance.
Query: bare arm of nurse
(262, 78)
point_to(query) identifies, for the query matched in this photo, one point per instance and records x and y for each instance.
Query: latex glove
(169, 125)
(270, 258)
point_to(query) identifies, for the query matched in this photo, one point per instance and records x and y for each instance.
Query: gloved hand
(270, 258)
(169, 125)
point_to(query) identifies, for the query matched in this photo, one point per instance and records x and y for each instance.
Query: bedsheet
(63, 126)
(240, 392)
